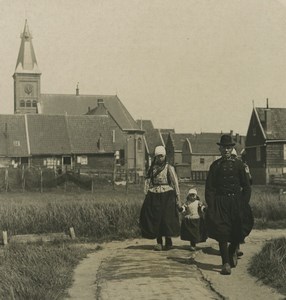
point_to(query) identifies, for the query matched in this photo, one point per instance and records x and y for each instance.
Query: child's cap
(193, 191)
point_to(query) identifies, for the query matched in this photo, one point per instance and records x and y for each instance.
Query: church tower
(27, 77)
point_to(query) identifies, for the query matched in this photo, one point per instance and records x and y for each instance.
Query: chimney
(267, 103)
(231, 132)
(88, 109)
(237, 137)
(100, 102)
(77, 90)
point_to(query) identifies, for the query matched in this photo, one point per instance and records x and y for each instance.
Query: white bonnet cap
(192, 191)
(160, 150)
(233, 152)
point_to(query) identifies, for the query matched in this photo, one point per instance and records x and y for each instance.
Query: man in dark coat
(229, 218)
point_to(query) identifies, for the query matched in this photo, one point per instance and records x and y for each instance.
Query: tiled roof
(58, 134)
(152, 135)
(48, 134)
(145, 124)
(56, 104)
(179, 139)
(85, 132)
(153, 139)
(13, 140)
(205, 143)
(278, 122)
(165, 130)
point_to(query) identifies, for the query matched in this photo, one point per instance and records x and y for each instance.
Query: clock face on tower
(28, 88)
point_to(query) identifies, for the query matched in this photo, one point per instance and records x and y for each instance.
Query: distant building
(266, 144)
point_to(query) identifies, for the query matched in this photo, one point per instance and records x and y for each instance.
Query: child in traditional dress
(192, 226)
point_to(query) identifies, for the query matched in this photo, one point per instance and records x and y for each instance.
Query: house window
(28, 103)
(50, 162)
(258, 154)
(24, 160)
(22, 103)
(16, 143)
(202, 160)
(82, 160)
(139, 144)
(284, 151)
(34, 103)
(67, 160)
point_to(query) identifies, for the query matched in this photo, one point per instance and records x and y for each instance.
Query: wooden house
(86, 142)
(266, 144)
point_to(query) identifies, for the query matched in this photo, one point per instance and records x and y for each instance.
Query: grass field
(101, 216)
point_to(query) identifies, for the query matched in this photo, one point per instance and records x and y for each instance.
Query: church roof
(68, 104)
(27, 62)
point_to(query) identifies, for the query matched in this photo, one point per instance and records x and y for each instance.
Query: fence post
(127, 181)
(23, 179)
(72, 233)
(5, 238)
(114, 172)
(41, 180)
(66, 178)
(92, 183)
(6, 179)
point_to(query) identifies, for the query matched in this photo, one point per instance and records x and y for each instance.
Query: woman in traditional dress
(159, 215)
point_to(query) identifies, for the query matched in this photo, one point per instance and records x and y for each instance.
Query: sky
(191, 65)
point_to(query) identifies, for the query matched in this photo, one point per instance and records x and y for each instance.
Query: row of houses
(190, 153)
(96, 132)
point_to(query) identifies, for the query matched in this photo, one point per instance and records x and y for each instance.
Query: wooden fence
(41, 179)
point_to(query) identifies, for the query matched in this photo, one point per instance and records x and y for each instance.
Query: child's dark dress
(193, 225)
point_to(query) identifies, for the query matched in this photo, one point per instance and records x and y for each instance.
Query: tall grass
(107, 214)
(269, 265)
(269, 207)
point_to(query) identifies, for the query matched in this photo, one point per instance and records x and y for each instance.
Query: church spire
(27, 62)
(27, 77)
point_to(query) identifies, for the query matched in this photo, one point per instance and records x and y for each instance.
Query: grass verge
(269, 265)
(38, 271)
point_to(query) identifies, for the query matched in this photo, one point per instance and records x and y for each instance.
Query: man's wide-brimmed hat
(226, 140)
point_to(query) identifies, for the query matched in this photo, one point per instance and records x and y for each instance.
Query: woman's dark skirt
(193, 230)
(159, 215)
(228, 219)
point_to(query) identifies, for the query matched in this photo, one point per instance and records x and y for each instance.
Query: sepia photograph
(143, 149)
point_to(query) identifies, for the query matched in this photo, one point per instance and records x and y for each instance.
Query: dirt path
(132, 270)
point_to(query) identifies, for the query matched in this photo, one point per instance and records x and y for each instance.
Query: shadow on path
(200, 265)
